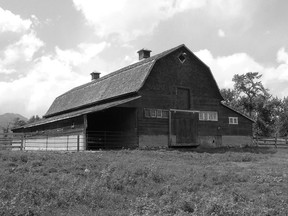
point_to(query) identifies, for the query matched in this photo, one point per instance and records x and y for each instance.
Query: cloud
(282, 56)
(34, 93)
(10, 22)
(129, 18)
(22, 50)
(221, 33)
(84, 53)
(225, 67)
(48, 76)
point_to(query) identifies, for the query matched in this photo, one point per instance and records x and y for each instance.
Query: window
(165, 114)
(233, 120)
(208, 116)
(156, 113)
(147, 113)
(159, 113)
(152, 113)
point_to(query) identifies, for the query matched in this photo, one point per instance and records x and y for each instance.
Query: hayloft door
(183, 128)
(183, 98)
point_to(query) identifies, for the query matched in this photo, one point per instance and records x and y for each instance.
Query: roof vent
(144, 53)
(95, 75)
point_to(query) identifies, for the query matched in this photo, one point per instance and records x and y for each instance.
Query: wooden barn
(167, 100)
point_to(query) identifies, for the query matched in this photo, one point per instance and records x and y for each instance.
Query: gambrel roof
(126, 81)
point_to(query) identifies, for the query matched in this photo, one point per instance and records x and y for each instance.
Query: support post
(21, 144)
(78, 142)
(275, 141)
(67, 142)
(85, 132)
(170, 128)
(46, 142)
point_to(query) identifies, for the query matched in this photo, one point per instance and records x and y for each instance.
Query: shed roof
(121, 82)
(76, 113)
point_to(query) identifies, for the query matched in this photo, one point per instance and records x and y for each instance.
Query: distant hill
(7, 118)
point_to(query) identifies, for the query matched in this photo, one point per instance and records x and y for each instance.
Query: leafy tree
(267, 113)
(249, 87)
(17, 122)
(283, 118)
(34, 118)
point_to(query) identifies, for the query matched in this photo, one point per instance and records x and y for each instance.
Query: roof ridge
(121, 70)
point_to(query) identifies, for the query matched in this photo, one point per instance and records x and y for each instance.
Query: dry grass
(242, 182)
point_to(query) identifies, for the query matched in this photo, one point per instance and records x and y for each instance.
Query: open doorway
(112, 128)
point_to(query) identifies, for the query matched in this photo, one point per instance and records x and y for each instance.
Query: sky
(49, 47)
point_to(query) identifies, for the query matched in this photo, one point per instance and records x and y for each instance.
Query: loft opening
(182, 57)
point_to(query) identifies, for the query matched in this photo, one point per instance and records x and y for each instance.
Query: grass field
(135, 182)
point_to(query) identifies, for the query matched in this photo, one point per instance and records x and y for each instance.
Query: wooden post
(47, 142)
(85, 132)
(67, 142)
(22, 139)
(275, 141)
(78, 142)
(170, 130)
(286, 140)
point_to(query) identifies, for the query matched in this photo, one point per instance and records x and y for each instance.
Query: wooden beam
(85, 132)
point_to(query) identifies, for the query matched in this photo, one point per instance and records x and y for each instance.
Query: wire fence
(271, 142)
(111, 140)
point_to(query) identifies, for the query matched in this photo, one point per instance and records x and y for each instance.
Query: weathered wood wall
(160, 91)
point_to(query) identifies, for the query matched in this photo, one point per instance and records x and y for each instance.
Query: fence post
(21, 144)
(67, 142)
(275, 141)
(46, 142)
(286, 140)
(78, 142)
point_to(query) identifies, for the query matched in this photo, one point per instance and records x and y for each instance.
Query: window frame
(233, 120)
(208, 116)
(156, 113)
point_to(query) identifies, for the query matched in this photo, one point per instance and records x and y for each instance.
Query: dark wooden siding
(244, 126)
(163, 90)
(160, 91)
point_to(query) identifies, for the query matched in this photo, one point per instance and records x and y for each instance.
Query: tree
(33, 119)
(17, 122)
(249, 87)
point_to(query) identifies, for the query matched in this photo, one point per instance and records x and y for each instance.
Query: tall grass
(143, 183)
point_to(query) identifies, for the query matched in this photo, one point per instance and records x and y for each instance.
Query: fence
(276, 142)
(68, 142)
(32, 141)
(10, 141)
(111, 139)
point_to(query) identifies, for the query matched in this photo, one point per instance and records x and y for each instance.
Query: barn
(167, 100)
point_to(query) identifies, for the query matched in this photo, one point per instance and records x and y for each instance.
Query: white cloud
(47, 77)
(84, 53)
(225, 67)
(221, 33)
(10, 22)
(22, 50)
(34, 93)
(282, 56)
(130, 18)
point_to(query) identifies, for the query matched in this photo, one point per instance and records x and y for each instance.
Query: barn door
(183, 128)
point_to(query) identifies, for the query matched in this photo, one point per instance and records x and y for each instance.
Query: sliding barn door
(183, 128)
